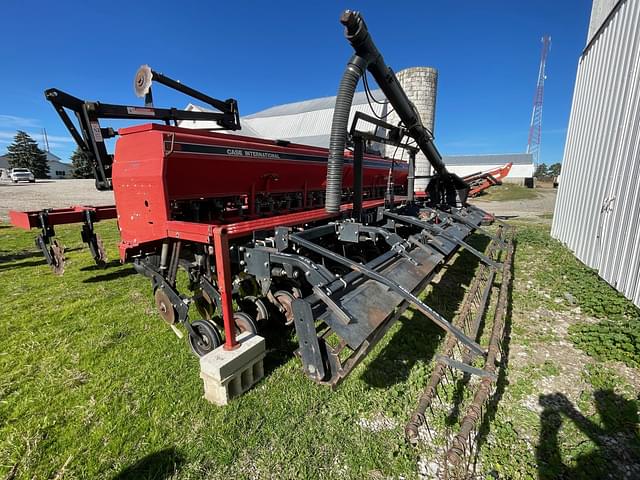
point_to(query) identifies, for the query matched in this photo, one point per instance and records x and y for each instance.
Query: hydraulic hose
(337, 142)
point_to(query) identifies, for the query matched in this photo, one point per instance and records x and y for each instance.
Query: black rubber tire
(244, 323)
(208, 340)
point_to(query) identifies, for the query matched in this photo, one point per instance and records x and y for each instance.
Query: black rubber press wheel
(244, 323)
(208, 338)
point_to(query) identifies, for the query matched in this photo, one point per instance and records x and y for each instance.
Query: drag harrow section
(457, 381)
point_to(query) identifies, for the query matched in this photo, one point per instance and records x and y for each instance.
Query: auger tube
(367, 56)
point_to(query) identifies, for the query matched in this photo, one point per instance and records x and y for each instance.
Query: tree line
(24, 152)
(548, 171)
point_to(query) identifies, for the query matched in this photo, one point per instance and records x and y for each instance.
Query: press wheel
(207, 337)
(284, 300)
(244, 323)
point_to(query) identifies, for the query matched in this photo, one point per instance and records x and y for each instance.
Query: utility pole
(45, 139)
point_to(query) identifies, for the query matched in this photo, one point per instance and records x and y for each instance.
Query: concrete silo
(420, 84)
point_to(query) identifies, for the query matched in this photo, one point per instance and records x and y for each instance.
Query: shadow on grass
(125, 272)
(30, 263)
(281, 344)
(616, 435)
(6, 256)
(158, 465)
(95, 267)
(418, 337)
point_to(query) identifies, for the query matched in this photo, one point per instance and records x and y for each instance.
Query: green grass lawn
(508, 191)
(94, 385)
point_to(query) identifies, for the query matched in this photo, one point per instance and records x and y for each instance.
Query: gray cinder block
(230, 373)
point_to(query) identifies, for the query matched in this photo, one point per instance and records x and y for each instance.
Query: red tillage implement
(332, 241)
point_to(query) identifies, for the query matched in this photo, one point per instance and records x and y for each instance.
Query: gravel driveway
(50, 194)
(543, 205)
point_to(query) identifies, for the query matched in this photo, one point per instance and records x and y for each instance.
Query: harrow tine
(461, 446)
(475, 410)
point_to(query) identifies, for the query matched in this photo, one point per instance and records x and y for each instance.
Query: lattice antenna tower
(535, 130)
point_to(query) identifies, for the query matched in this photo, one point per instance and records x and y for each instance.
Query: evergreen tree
(554, 170)
(24, 153)
(541, 171)
(81, 165)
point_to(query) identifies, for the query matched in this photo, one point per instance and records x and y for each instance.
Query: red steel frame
(490, 178)
(219, 235)
(221, 248)
(61, 216)
(152, 159)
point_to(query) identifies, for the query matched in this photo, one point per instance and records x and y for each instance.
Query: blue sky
(269, 53)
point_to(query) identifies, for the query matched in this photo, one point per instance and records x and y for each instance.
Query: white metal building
(597, 213)
(57, 168)
(468, 164)
(309, 122)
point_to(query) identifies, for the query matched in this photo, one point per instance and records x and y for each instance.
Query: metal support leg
(91, 238)
(411, 179)
(43, 240)
(52, 251)
(221, 246)
(358, 153)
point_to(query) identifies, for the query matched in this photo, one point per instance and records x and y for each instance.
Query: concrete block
(229, 373)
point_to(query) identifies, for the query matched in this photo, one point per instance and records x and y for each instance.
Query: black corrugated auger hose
(337, 142)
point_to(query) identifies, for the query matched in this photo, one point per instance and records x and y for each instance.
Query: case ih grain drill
(332, 241)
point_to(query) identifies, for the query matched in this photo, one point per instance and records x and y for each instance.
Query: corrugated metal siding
(489, 159)
(304, 124)
(516, 172)
(597, 213)
(359, 98)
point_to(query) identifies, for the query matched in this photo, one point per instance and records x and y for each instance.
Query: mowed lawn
(94, 385)
(508, 191)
